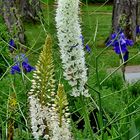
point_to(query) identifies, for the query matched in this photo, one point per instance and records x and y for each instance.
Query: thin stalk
(102, 52)
(99, 95)
(118, 68)
(133, 138)
(98, 9)
(96, 30)
(48, 12)
(86, 117)
(116, 119)
(89, 21)
(122, 61)
(25, 87)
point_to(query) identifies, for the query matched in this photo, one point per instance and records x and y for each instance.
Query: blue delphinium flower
(21, 62)
(138, 30)
(126, 56)
(15, 69)
(27, 67)
(12, 45)
(87, 48)
(119, 42)
(20, 58)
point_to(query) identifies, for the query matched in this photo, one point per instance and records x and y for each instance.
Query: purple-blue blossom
(21, 63)
(138, 30)
(15, 69)
(126, 56)
(87, 48)
(12, 45)
(27, 67)
(119, 42)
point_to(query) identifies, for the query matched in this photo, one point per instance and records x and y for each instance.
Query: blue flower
(138, 30)
(27, 67)
(20, 58)
(129, 42)
(111, 41)
(15, 69)
(126, 56)
(113, 36)
(120, 48)
(119, 42)
(21, 63)
(88, 49)
(12, 45)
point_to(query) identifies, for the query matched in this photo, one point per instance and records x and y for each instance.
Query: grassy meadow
(120, 101)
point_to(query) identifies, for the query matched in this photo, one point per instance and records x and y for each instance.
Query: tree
(14, 11)
(13, 21)
(138, 12)
(125, 13)
(29, 9)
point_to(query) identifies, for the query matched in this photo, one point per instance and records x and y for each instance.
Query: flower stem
(86, 117)
(118, 68)
(100, 118)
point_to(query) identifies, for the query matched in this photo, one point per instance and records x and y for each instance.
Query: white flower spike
(71, 46)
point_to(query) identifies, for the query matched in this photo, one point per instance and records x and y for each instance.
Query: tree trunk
(13, 21)
(125, 11)
(29, 9)
(15, 10)
(117, 11)
(138, 12)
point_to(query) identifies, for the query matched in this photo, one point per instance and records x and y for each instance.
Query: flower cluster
(138, 30)
(119, 42)
(21, 63)
(44, 110)
(71, 46)
(63, 112)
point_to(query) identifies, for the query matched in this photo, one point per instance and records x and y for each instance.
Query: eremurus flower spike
(42, 92)
(47, 108)
(71, 46)
(43, 84)
(63, 113)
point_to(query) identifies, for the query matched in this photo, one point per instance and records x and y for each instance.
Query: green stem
(100, 119)
(86, 118)
(102, 52)
(118, 68)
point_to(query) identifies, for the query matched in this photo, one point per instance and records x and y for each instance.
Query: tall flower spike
(42, 94)
(63, 115)
(43, 84)
(71, 47)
